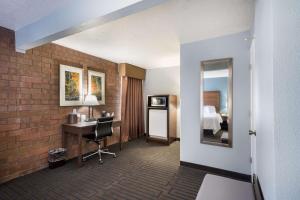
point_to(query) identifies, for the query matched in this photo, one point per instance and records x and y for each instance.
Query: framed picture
(96, 85)
(70, 84)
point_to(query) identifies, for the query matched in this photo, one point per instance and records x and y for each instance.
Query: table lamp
(90, 100)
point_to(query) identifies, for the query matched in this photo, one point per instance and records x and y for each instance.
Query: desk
(84, 128)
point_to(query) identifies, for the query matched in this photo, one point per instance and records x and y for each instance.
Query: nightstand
(224, 124)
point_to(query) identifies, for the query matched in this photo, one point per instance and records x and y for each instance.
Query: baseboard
(161, 141)
(220, 172)
(257, 189)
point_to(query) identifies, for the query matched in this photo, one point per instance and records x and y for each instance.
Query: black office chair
(103, 129)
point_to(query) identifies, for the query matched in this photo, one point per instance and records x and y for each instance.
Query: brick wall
(30, 115)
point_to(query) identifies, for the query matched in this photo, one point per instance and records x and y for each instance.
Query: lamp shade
(90, 100)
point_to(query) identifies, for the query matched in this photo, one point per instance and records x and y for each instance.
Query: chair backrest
(104, 127)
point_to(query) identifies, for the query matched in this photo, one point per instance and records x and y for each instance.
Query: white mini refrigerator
(162, 118)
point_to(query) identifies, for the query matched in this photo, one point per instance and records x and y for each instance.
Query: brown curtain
(132, 108)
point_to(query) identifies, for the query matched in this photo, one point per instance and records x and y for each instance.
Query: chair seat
(103, 129)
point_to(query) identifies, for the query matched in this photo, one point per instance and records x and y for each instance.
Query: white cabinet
(158, 124)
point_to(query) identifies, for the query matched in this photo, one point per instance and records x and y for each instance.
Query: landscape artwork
(96, 87)
(72, 92)
(70, 85)
(96, 82)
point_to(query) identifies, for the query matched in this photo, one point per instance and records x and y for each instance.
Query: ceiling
(149, 39)
(18, 13)
(152, 38)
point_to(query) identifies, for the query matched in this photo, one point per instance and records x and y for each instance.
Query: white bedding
(211, 119)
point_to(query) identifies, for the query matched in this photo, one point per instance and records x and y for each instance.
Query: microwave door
(158, 101)
(154, 101)
(162, 102)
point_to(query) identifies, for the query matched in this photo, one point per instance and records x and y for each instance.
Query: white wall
(286, 37)
(164, 81)
(277, 30)
(191, 150)
(286, 98)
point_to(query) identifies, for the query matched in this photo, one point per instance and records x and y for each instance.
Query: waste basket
(56, 157)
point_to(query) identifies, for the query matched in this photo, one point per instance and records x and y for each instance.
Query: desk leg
(120, 142)
(105, 142)
(79, 159)
(65, 140)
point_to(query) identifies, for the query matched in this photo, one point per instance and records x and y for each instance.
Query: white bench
(221, 188)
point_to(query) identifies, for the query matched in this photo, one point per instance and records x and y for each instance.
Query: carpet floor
(141, 171)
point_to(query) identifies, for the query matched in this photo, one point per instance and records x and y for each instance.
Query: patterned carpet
(141, 171)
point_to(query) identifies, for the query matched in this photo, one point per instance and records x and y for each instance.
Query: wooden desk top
(93, 123)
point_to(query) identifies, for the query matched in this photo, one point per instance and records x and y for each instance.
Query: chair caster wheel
(100, 162)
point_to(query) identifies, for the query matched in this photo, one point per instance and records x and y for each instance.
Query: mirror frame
(229, 62)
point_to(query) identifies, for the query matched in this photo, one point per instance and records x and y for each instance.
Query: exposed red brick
(30, 115)
(9, 127)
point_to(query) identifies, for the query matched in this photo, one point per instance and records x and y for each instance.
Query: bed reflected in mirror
(216, 102)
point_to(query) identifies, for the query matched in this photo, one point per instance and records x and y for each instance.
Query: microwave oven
(158, 101)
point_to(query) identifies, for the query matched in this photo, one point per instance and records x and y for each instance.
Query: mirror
(216, 102)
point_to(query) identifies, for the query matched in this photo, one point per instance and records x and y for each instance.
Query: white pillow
(212, 109)
(206, 110)
(209, 109)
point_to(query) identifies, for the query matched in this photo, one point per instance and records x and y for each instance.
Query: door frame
(252, 108)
